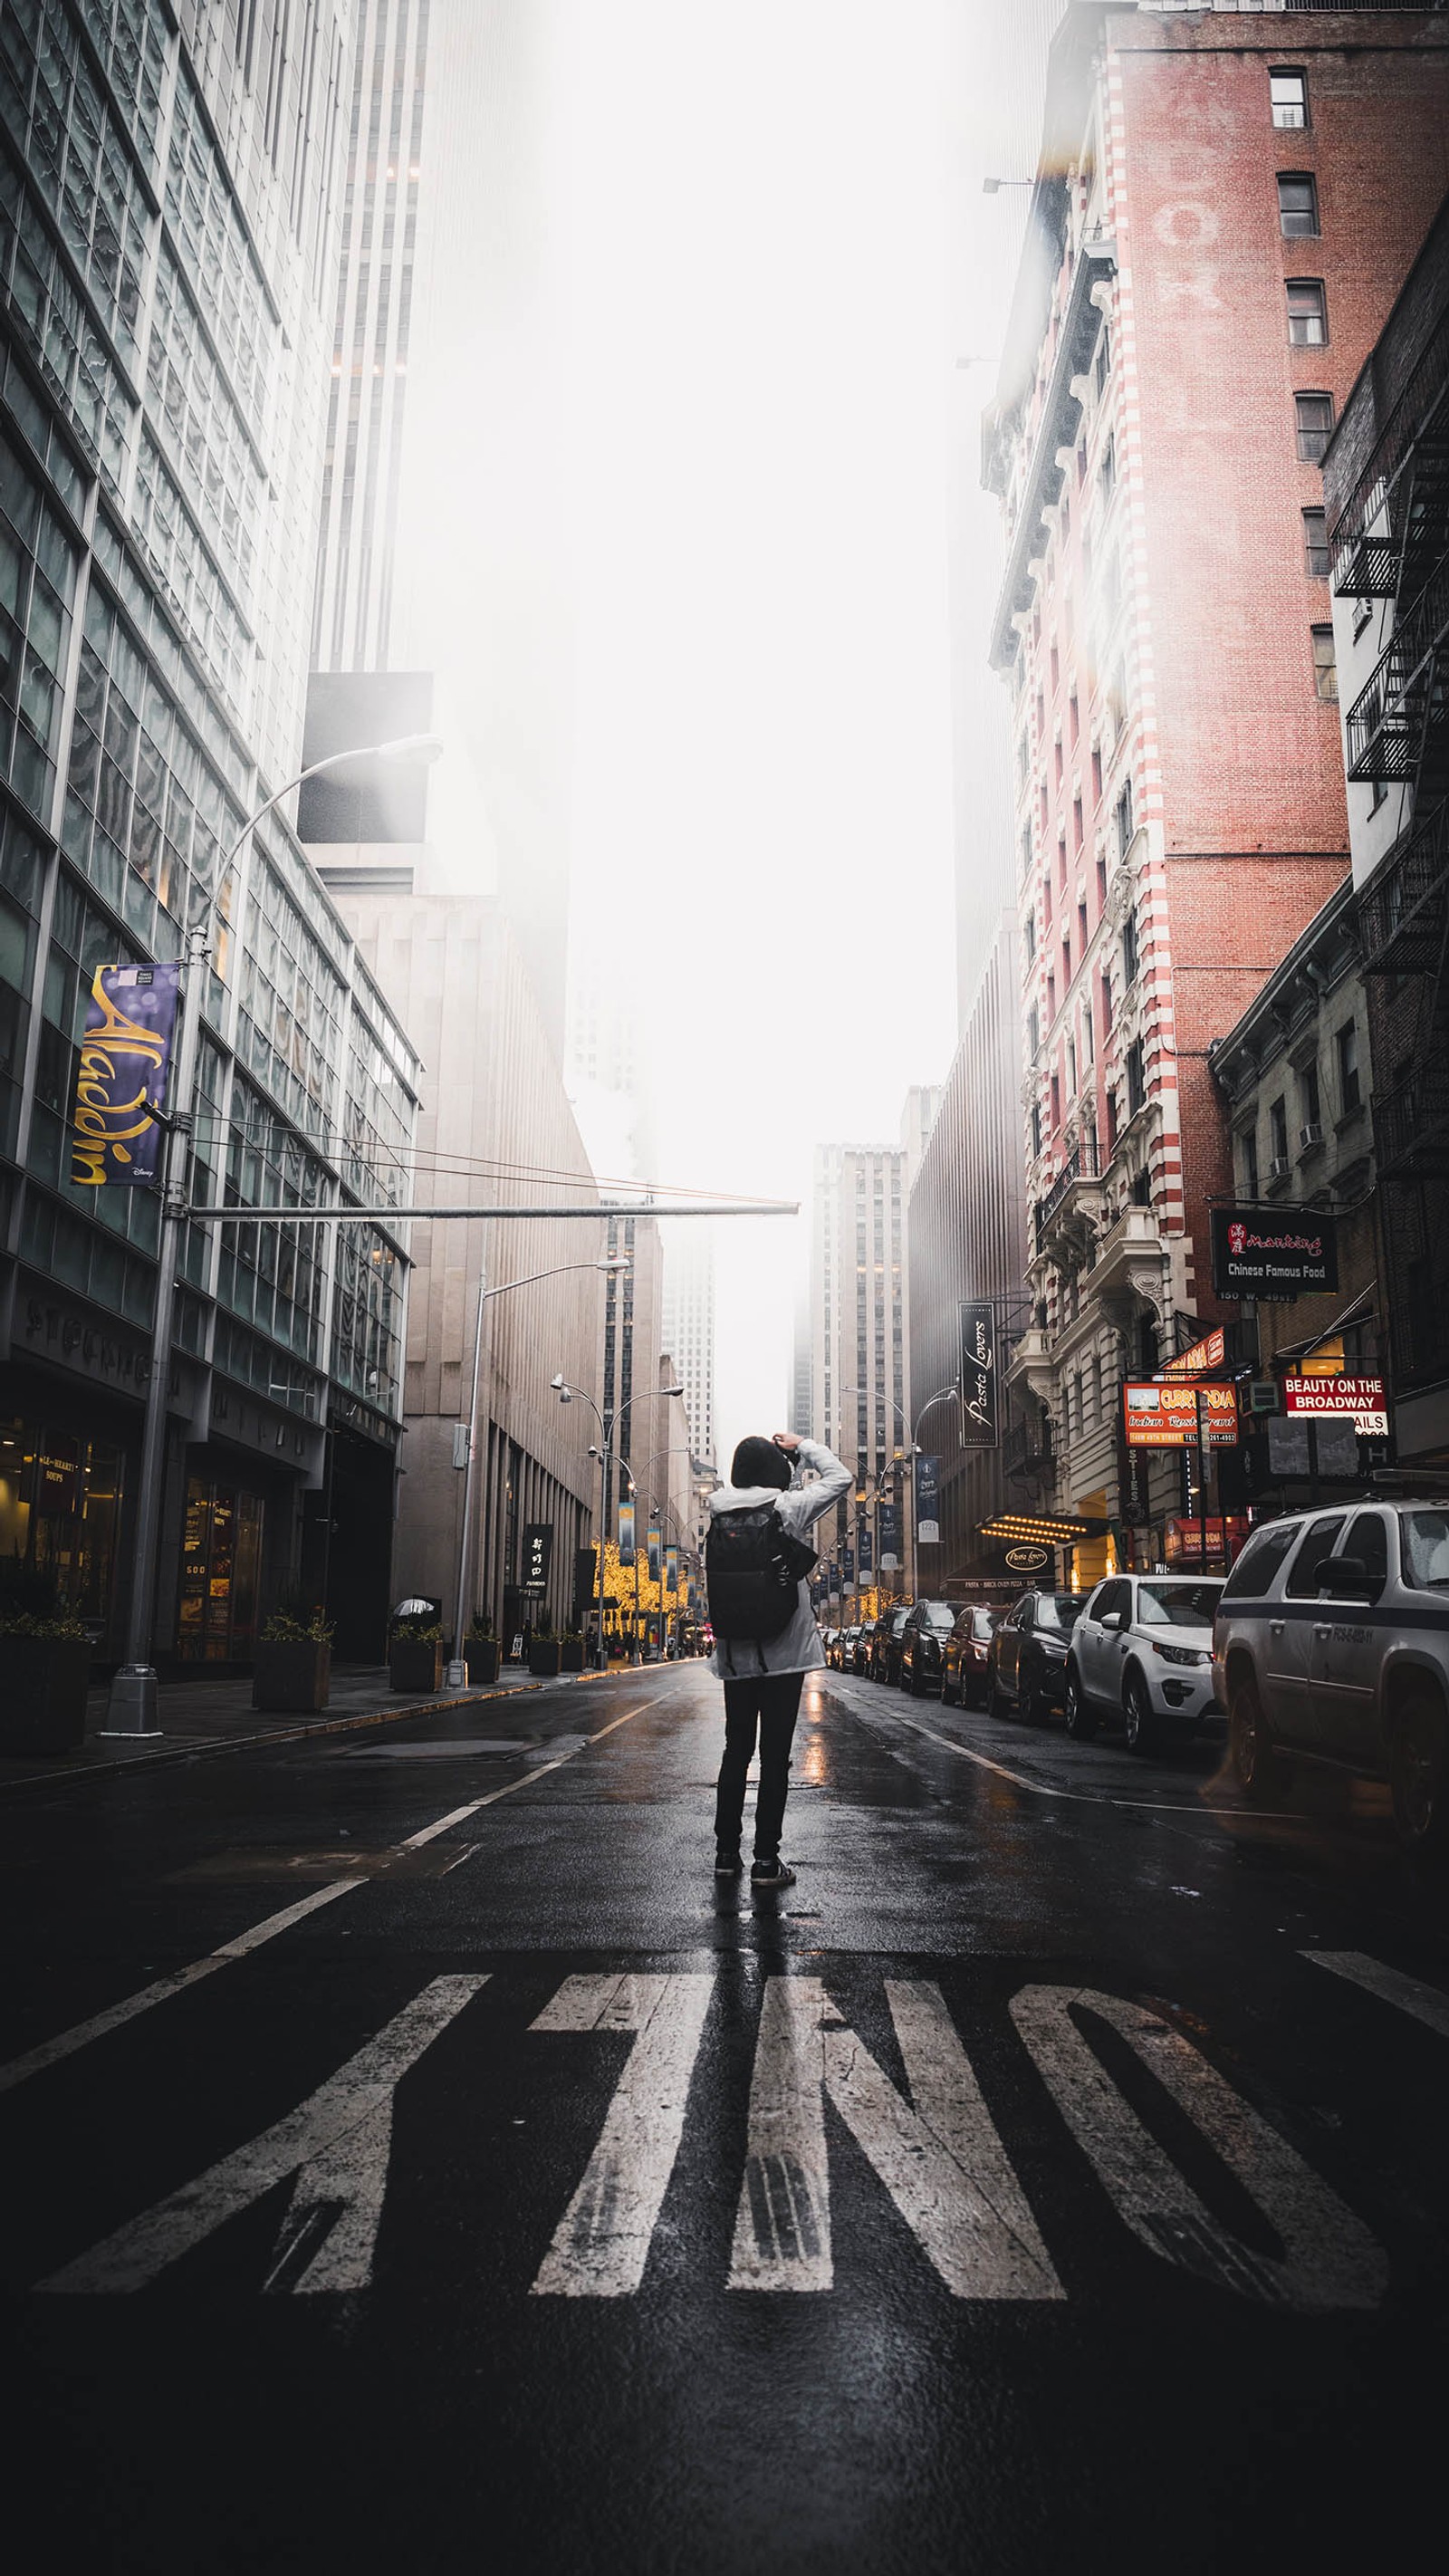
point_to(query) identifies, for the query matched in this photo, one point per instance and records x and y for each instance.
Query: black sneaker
(771, 1873)
(727, 1861)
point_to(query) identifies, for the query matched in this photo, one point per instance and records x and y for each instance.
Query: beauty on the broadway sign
(1360, 1400)
(1271, 1257)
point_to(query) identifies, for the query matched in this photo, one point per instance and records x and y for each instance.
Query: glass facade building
(168, 245)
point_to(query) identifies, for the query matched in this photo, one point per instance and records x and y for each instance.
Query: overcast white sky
(754, 231)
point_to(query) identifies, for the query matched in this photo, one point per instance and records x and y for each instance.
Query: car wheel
(1256, 1766)
(1419, 1777)
(1033, 1700)
(1139, 1720)
(1081, 1718)
(995, 1696)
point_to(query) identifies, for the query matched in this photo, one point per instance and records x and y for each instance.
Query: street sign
(537, 1555)
(1363, 1400)
(1204, 1355)
(1273, 1258)
(980, 1427)
(1160, 1415)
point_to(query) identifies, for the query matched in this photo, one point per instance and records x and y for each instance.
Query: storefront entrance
(220, 1572)
(60, 1504)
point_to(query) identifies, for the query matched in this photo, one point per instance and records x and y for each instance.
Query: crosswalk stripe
(782, 2231)
(336, 2143)
(1425, 2003)
(1330, 2258)
(602, 2241)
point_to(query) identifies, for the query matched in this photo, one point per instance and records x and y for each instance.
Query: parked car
(860, 1652)
(966, 1657)
(885, 1645)
(845, 1644)
(1142, 1651)
(923, 1639)
(827, 1640)
(1028, 1664)
(1331, 1644)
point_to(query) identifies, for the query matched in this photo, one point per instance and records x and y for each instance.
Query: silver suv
(1142, 1650)
(1331, 1644)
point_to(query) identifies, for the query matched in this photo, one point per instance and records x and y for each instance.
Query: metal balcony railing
(1386, 721)
(1411, 1124)
(1026, 1448)
(1359, 565)
(1082, 1164)
(1401, 912)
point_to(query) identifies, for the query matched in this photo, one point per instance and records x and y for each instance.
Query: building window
(1051, 999)
(1103, 362)
(1030, 929)
(1106, 1000)
(1036, 1126)
(1082, 928)
(1124, 819)
(1307, 313)
(1107, 470)
(1131, 958)
(1074, 718)
(1066, 960)
(1101, 885)
(1248, 1160)
(1350, 1089)
(1288, 91)
(1325, 664)
(1136, 1077)
(1056, 1101)
(1033, 1030)
(1079, 828)
(1278, 1134)
(1071, 1068)
(1096, 775)
(1088, 1048)
(1314, 417)
(1297, 203)
(1308, 1100)
(1315, 544)
(1113, 1118)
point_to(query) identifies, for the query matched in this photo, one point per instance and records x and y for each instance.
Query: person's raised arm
(807, 1502)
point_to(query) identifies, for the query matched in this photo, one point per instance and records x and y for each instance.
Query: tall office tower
(168, 261)
(966, 1234)
(918, 1117)
(1221, 222)
(861, 1389)
(689, 1327)
(444, 510)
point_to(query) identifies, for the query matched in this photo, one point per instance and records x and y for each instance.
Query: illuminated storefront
(60, 1501)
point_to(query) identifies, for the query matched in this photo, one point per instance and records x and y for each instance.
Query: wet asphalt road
(1017, 2192)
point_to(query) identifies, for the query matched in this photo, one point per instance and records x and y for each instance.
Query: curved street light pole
(131, 1709)
(608, 1425)
(456, 1673)
(634, 1656)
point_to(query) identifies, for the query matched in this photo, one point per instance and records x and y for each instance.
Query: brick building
(1225, 209)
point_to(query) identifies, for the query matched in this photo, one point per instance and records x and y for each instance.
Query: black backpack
(753, 1568)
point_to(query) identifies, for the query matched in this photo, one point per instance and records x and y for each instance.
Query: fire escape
(1391, 544)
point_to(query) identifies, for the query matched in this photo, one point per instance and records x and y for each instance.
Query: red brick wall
(1250, 759)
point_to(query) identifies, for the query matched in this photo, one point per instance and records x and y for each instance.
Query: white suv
(1142, 1649)
(1331, 1644)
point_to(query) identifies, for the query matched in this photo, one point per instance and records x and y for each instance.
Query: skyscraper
(860, 1388)
(688, 1328)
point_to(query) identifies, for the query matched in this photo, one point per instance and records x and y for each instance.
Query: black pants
(772, 1702)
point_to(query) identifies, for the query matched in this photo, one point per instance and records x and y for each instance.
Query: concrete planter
(292, 1674)
(481, 1657)
(571, 1655)
(543, 1658)
(43, 1684)
(413, 1665)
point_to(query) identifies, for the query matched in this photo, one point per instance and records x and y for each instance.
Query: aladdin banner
(121, 1082)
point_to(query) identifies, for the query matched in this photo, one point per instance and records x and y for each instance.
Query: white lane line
(602, 2241)
(337, 2144)
(1330, 2259)
(782, 2230)
(81, 2033)
(1426, 2003)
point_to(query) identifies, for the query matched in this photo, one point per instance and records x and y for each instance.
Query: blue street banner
(626, 1533)
(121, 1079)
(867, 1551)
(979, 1419)
(889, 1517)
(928, 1501)
(848, 1566)
(671, 1569)
(656, 1549)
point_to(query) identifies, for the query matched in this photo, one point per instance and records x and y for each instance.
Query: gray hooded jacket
(797, 1649)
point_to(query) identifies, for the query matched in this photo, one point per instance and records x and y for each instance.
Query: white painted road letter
(1330, 2260)
(336, 2143)
(601, 2243)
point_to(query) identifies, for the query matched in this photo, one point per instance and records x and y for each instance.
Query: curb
(124, 1763)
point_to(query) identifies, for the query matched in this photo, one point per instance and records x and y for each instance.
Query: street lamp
(608, 1424)
(456, 1673)
(676, 1452)
(131, 1709)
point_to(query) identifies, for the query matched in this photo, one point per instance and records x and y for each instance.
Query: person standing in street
(766, 1640)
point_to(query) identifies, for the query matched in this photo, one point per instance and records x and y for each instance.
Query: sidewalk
(200, 1718)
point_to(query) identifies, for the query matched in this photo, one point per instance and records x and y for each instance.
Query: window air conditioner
(1312, 1134)
(1279, 1168)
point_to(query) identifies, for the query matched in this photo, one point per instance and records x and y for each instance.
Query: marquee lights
(1048, 1530)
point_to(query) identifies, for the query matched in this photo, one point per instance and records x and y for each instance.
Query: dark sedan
(966, 1658)
(1029, 1654)
(861, 1650)
(885, 1646)
(923, 1641)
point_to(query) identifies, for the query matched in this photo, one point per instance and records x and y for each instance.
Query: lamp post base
(131, 1708)
(455, 1675)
